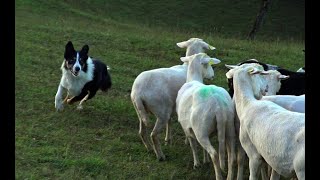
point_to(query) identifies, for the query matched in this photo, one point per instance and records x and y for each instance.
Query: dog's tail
(106, 80)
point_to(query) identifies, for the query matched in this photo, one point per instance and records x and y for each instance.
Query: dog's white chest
(73, 84)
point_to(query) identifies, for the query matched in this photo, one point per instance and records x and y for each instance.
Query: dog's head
(75, 61)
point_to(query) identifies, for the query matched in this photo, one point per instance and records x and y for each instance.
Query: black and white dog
(82, 77)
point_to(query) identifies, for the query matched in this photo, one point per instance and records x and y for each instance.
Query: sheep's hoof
(149, 148)
(167, 142)
(161, 158)
(196, 166)
(186, 142)
(206, 161)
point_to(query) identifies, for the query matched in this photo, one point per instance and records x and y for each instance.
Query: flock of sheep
(261, 116)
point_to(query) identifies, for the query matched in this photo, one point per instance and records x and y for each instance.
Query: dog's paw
(59, 106)
(69, 101)
(79, 107)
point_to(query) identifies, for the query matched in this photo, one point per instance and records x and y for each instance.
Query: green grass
(102, 142)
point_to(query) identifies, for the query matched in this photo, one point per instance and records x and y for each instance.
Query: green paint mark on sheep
(210, 91)
(207, 91)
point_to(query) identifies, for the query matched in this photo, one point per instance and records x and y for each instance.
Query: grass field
(101, 141)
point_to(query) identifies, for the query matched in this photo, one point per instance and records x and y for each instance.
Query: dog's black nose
(77, 68)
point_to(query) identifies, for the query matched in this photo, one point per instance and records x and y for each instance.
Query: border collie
(82, 77)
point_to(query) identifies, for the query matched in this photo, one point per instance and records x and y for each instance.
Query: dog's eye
(82, 60)
(71, 61)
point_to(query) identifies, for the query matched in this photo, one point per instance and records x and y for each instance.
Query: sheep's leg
(264, 174)
(143, 119)
(254, 157)
(168, 138)
(186, 141)
(193, 145)
(221, 138)
(143, 135)
(206, 158)
(241, 156)
(274, 175)
(269, 172)
(254, 166)
(231, 145)
(231, 153)
(155, 139)
(205, 143)
(299, 164)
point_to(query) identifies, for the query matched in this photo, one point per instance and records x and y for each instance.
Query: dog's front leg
(58, 98)
(83, 100)
(66, 98)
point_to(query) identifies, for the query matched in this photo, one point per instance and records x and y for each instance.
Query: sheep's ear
(231, 66)
(283, 77)
(213, 61)
(230, 73)
(210, 61)
(265, 72)
(183, 44)
(253, 60)
(211, 47)
(254, 71)
(184, 59)
(208, 46)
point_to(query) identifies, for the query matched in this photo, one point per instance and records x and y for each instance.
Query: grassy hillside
(102, 142)
(285, 19)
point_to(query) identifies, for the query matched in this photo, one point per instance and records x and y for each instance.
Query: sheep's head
(255, 78)
(201, 61)
(194, 46)
(274, 81)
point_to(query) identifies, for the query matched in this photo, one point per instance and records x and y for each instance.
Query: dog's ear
(69, 46)
(69, 50)
(85, 49)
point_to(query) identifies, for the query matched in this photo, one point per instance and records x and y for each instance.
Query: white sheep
(274, 83)
(155, 92)
(289, 102)
(267, 130)
(274, 79)
(204, 110)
